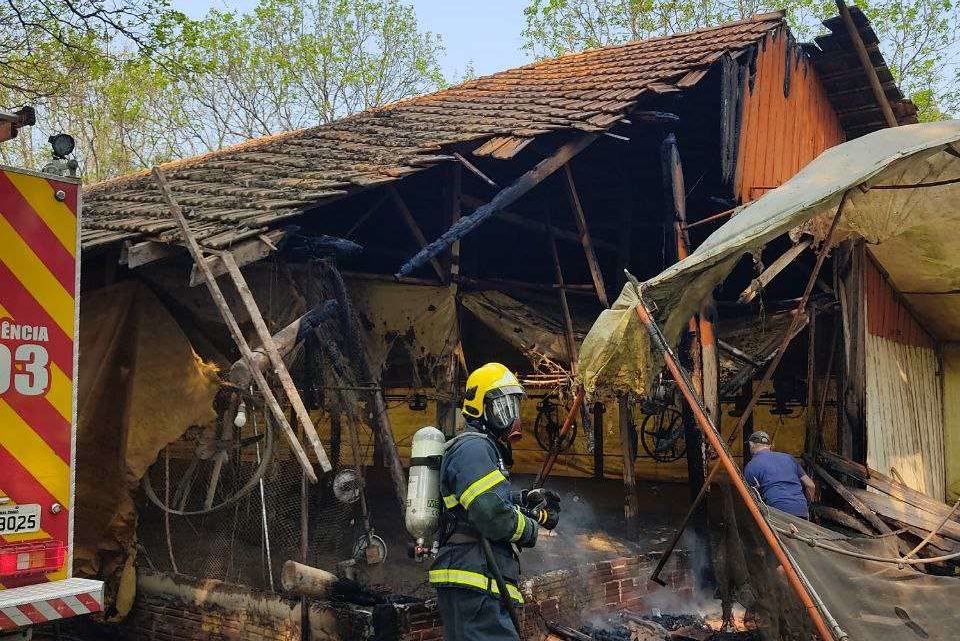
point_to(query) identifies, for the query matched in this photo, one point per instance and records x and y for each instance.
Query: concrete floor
(592, 528)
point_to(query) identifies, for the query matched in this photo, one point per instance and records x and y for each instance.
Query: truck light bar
(31, 558)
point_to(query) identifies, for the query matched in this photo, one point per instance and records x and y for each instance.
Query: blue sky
(484, 33)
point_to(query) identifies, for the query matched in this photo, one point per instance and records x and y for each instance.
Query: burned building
(391, 251)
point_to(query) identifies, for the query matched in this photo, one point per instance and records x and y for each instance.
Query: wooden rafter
(415, 229)
(585, 240)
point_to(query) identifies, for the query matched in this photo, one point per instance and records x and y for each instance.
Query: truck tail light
(31, 558)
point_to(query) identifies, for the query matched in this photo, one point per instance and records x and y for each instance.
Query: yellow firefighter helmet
(486, 382)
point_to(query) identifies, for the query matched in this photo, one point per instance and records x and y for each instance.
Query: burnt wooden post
(447, 407)
(675, 198)
(631, 506)
(598, 410)
(585, 239)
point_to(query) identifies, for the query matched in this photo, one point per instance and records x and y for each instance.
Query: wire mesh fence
(247, 541)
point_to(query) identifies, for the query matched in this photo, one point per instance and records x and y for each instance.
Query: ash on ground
(663, 626)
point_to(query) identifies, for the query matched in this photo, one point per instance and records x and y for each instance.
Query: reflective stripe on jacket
(471, 468)
(468, 579)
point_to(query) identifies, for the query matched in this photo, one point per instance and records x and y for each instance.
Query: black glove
(543, 506)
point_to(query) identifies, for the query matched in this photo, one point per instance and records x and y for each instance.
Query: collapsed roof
(241, 191)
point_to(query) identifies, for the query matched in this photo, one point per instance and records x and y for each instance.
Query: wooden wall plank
(780, 134)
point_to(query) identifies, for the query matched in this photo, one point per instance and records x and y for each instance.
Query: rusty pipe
(710, 431)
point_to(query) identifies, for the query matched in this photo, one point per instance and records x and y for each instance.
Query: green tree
(918, 37)
(191, 86)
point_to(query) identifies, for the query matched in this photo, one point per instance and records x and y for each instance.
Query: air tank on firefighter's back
(423, 487)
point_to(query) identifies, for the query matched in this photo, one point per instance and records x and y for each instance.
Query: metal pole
(263, 509)
(710, 431)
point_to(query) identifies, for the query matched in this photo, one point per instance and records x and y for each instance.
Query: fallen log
(304, 580)
(285, 340)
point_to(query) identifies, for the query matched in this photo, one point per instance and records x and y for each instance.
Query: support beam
(631, 506)
(760, 282)
(473, 168)
(279, 367)
(217, 295)
(448, 379)
(878, 93)
(135, 255)
(504, 198)
(518, 220)
(414, 228)
(676, 197)
(585, 239)
(565, 307)
(598, 411)
(518, 285)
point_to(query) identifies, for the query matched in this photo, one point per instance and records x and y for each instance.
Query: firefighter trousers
(472, 615)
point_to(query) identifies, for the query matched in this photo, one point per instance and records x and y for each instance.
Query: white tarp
(913, 229)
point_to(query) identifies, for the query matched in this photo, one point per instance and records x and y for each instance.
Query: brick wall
(571, 596)
(184, 610)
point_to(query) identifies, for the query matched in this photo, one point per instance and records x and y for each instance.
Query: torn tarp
(868, 599)
(894, 218)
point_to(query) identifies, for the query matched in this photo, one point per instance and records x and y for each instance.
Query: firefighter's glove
(544, 506)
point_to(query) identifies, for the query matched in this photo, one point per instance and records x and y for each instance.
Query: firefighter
(479, 502)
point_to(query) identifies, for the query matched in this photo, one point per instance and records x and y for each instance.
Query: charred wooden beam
(760, 282)
(504, 198)
(537, 226)
(414, 228)
(878, 93)
(858, 506)
(577, 207)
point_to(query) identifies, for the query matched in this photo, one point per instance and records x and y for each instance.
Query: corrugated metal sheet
(786, 122)
(905, 426)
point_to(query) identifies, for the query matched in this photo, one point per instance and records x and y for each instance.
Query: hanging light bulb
(241, 418)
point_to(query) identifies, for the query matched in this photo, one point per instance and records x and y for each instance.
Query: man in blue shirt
(779, 478)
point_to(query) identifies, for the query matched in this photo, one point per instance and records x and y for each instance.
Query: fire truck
(39, 290)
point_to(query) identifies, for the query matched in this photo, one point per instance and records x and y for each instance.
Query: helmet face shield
(501, 409)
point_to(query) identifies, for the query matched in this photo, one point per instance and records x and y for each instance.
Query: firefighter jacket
(478, 501)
